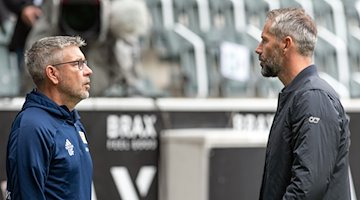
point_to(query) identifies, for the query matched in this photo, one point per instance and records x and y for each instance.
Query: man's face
(270, 54)
(74, 82)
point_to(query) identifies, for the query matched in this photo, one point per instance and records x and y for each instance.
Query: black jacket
(308, 146)
(21, 28)
(3, 17)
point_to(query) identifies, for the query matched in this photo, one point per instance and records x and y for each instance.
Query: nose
(258, 49)
(87, 70)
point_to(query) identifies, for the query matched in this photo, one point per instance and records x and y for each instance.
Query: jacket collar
(300, 78)
(37, 99)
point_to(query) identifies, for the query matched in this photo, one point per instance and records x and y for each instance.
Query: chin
(85, 95)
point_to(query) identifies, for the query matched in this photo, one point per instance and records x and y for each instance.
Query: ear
(287, 42)
(52, 73)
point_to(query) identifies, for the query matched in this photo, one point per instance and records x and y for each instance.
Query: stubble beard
(270, 70)
(76, 94)
(271, 66)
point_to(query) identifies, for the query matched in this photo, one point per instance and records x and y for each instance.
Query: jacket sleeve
(16, 6)
(315, 127)
(45, 25)
(29, 153)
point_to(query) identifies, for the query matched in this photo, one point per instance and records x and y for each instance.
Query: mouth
(260, 62)
(87, 85)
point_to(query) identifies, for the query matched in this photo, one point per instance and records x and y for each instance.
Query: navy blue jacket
(47, 153)
(308, 147)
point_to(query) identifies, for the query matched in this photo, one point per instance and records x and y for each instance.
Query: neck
(293, 67)
(56, 96)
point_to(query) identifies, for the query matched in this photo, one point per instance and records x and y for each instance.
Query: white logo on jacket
(69, 147)
(314, 120)
(8, 195)
(82, 136)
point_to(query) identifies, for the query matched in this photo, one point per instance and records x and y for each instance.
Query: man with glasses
(47, 154)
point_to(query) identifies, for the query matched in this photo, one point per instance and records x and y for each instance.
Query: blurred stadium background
(199, 130)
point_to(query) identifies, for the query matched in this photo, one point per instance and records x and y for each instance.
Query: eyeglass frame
(80, 63)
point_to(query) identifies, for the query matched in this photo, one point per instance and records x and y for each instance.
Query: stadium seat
(192, 59)
(9, 74)
(289, 3)
(165, 14)
(240, 22)
(323, 15)
(155, 8)
(193, 14)
(229, 30)
(331, 56)
(352, 8)
(351, 11)
(222, 14)
(354, 63)
(223, 29)
(229, 68)
(330, 14)
(162, 38)
(326, 58)
(256, 12)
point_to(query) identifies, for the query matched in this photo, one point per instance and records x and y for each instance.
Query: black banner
(124, 147)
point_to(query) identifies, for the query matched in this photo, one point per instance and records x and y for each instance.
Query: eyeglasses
(79, 63)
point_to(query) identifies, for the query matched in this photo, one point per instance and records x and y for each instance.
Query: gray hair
(46, 52)
(294, 22)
